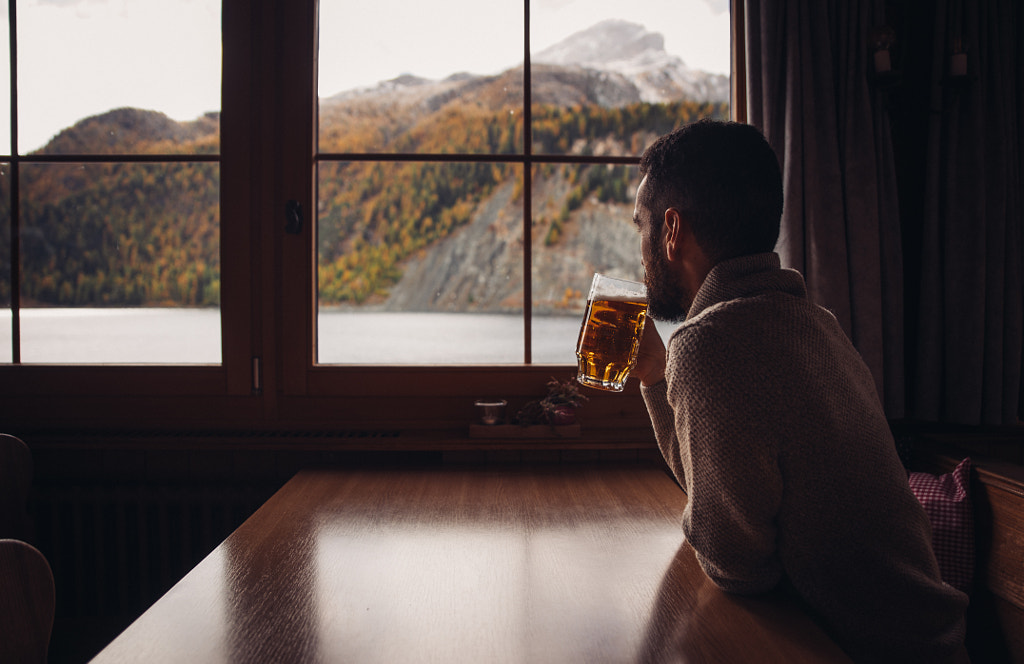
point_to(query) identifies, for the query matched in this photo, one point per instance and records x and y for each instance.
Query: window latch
(293, 217)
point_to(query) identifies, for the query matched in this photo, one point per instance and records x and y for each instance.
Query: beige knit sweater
(770, 421)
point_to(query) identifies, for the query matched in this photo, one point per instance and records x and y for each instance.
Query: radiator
(115, 550)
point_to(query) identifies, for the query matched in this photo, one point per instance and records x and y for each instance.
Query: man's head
(721, 183)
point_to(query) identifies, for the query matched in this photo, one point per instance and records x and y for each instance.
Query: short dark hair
(724, 178)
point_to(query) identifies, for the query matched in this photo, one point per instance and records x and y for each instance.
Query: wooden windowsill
(405, 439)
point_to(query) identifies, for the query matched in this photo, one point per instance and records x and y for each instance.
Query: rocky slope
(480, 267)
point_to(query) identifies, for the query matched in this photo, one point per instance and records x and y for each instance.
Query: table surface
(448, 565)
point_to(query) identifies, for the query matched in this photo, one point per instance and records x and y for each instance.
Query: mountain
(611, 64)
(125, 130)
(606, 45)
(419, 236)
(614, 69)
(628, 49)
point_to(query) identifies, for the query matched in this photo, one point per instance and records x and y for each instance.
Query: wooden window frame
(268, 378)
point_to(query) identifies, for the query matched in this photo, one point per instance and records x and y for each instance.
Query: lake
(192, 336)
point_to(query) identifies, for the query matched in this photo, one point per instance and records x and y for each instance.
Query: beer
(610, 335)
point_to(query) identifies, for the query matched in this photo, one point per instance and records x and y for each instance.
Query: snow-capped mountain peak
(606, 43)
(631, 50)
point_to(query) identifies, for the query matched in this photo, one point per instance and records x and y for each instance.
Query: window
(315, 209)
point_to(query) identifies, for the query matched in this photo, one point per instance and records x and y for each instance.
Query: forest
(120, 234)
(147, 234)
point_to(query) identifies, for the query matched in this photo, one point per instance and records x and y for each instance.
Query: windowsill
(441, 439)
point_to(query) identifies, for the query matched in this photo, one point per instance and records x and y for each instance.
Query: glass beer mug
(611, 331)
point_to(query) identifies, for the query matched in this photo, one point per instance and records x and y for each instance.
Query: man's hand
(650, 358)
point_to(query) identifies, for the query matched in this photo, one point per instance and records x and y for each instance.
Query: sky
(77, 58)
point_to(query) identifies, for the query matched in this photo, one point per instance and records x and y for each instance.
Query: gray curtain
(808, 90)
(969, 329)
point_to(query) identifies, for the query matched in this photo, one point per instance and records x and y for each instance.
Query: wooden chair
(27, 603)
(15, 480)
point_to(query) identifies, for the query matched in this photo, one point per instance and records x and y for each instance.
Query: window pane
(608, 77)
(582, 223)
(120, 262)
(5, 79)
(420, 262)
(437, 77)
(5, 335)
(81, 59)
(120, 335)
(6, 351)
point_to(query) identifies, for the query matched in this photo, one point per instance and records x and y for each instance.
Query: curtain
(969, 329)
(808, 90)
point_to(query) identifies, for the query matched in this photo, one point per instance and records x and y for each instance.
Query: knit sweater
(770, 420)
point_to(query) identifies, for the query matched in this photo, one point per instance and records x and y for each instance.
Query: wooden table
(448, 565)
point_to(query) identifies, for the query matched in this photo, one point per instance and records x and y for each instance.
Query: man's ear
(682, 250)
(673, 232)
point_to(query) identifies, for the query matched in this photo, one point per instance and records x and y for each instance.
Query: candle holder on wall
(883, 64)
(957, 77)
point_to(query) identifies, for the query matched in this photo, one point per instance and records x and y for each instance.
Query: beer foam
(620, 297)
(614, 289)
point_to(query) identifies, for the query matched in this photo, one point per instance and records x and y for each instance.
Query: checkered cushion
(947, 501)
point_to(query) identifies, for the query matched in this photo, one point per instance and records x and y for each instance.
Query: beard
(667, 299)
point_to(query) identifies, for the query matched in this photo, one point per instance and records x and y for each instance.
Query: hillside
(378, 222)
(123, 234)
(127, 130)
(480, 268)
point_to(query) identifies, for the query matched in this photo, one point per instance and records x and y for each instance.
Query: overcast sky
(82, 57)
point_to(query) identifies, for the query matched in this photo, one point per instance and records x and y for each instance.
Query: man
(767, 415)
